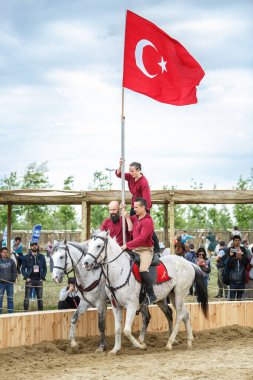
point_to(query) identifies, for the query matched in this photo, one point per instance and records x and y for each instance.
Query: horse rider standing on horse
(113, 224)
(142, 244)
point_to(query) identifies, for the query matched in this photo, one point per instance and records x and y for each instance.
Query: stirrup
(150, 300)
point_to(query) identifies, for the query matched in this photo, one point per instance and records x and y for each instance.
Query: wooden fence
(34, 327)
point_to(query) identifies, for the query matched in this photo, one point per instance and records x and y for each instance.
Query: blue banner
(5, 234)
(36, 233)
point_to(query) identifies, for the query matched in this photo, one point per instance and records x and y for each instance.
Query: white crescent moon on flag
(138, 56)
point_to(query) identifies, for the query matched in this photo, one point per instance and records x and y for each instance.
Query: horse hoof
(73, 344)
(189, 344)
(169, 346)
(101, 349)
(143, 346)
(112, 352)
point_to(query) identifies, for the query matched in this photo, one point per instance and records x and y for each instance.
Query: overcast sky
(60, 92)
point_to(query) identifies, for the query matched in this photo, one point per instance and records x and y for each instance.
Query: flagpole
(123, 162)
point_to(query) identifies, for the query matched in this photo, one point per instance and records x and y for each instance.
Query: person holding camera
(237, 262)
(69, 298)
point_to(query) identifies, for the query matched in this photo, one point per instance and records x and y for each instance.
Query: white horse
(91, 285)
(123, 289)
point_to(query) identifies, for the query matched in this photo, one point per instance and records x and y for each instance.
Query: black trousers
(38, 286)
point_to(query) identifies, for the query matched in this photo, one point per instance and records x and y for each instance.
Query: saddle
(157, 271)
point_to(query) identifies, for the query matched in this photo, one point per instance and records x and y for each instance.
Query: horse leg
(145, 321)
(82, 307)
(101, 327)
(178, 304)
(117, 312)
(130, 314)
(187, 322)
(167, 311)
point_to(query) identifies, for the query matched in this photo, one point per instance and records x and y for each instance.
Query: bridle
(106, 264)
(103, 248)
(67, 254)
(79, 287)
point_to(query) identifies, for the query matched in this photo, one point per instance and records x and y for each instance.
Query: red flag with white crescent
(157, 65)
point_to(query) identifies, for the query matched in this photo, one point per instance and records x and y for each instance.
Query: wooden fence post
(9, 227)
(166, 225)
(84, 235)
(172, 227)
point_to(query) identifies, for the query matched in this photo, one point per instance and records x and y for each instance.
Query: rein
(67, 253)
(108, 285)
(79, 287)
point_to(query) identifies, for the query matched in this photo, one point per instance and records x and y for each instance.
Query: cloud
(60, 97)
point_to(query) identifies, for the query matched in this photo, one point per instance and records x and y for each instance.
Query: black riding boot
(150, 298)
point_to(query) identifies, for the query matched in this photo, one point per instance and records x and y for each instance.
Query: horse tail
(201, 290)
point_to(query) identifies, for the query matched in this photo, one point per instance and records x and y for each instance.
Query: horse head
(65, 257)
(96, 249)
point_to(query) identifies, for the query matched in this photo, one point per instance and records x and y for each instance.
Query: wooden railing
(29, 328)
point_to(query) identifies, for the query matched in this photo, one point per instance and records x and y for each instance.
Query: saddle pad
(161, 273)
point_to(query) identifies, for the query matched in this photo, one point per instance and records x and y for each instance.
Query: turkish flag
(158, 66)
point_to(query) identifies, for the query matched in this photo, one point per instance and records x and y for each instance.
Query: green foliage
(244, 213)
(99, 213)
(25, 217)
(196, 216)
(10, 182)
(66, 214)
(35, 177)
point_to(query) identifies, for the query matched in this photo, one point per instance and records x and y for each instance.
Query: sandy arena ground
(224, 353)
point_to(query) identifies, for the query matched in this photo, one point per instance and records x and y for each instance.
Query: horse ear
(107, 233)
(93, 230)
(65, 241)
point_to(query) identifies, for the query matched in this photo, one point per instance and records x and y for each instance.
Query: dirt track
(225, 353)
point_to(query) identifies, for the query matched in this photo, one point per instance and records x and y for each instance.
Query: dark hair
(179, 237)
(202, 250)
(236, 237)
(191, 246)
(72, 280)
(142, 202)
(17, 238)
(222, 243)
(235, 228)
(137, 165)
(4, 249)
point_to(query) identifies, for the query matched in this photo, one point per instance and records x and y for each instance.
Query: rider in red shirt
(137, 183)
(142, 244)
(139, 188)
(113, 224)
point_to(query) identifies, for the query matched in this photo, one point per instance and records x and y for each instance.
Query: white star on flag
(163, 65)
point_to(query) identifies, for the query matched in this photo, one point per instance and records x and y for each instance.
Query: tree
(66, 215)
(35, 177)
(99, 213)
(244, 213)
(10, 182)
(157, 213)
(196, 214)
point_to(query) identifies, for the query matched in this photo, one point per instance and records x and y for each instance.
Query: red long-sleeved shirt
(143, 230)
(139, 188)
(115, 229)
